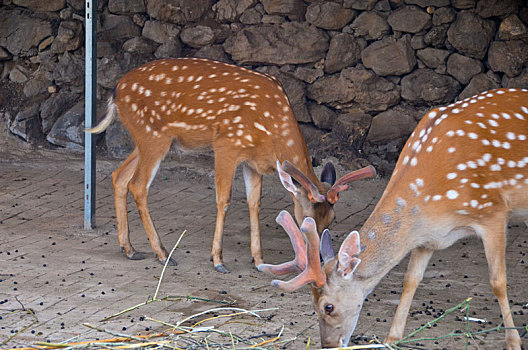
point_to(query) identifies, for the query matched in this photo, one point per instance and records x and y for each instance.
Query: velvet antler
(312, 271)
(313, 191)
(299, 246)
(342, 184)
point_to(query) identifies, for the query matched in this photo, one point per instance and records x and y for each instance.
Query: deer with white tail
(462, 172)
(243, 115)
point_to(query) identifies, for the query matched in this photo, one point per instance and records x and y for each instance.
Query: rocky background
(359, 73)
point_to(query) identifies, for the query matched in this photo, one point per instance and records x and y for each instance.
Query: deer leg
(495, 247)
(413, 276)
(224, 173)
(253, 181)
(120, 179)
(147, 168)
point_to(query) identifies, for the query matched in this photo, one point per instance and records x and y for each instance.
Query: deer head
(316, 200)
(337, 295)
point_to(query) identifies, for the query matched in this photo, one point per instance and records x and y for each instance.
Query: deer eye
(328, 309)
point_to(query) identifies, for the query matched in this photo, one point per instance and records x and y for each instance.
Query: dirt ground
(55, 276)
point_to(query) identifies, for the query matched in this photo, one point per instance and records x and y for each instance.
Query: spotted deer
(461, 173)
(243, 115)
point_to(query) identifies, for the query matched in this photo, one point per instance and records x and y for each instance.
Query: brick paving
(69, 276)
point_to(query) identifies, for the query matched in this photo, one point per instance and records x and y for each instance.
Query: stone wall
(359, 73)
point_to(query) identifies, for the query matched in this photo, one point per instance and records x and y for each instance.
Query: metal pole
(90, 104)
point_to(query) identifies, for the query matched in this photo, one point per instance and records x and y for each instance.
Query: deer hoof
(133, 255)
(221, 268)
(171, 262)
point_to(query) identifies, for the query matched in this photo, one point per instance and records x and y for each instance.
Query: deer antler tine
(342, 184)
(313, 271)
(299, 246)
(313, 191)
(309, 229)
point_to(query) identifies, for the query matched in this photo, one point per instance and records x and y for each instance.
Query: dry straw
(207, 332)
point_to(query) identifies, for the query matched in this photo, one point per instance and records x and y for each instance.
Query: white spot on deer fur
(429, 148)
(405, 160)
(434, 140)
(289, 143)
(134, 107)
(147, 128)
(472, 164)
(451, 176)
(512, 164)
(450, 133)
(496, 143)
(419, 182)
(134, 86)
(426, 199)
(460, 132)
(451, 149)
(401, 202)
(462, 212)
(414, 188)
(432, 114)
(414, 161)
(455, 111)
(452, 194)
(386, 219)
(485, 142)
(474, 203)
(443, 108)
(510, 135)
(472, 135)
(262, 128)
(437, 197)
(178, 124)
(474, 185)
(461, 166)
(495, 167)
(518, 116)
(237, 119)
(493, 123)
(249, 138)
(506, 145)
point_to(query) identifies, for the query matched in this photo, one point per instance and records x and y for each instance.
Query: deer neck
(386, 237)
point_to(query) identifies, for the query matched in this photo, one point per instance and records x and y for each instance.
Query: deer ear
(328, 174)
(347, 256)
(286, 180)
(325, 247)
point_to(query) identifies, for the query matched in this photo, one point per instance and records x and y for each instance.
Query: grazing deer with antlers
(461, 173)
(243, 115)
